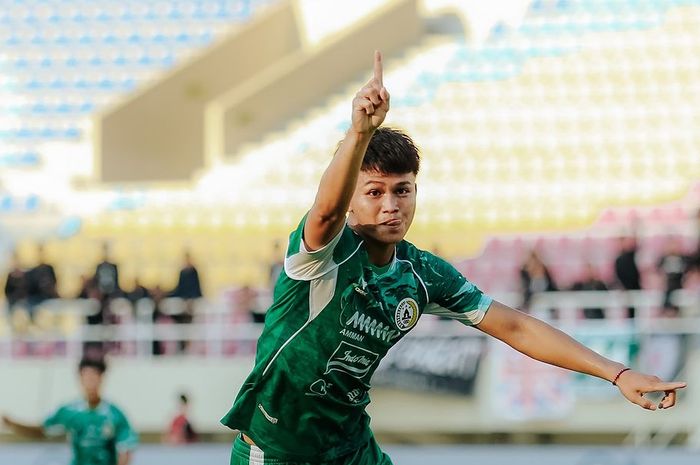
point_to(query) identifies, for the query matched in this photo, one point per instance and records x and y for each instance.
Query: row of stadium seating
(33, 12)
(61, 62)
(639, 147)
(608, 121)
(493, 57)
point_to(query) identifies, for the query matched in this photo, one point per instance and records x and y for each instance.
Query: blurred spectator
(188, 286)
(188, 289)
(694, 260)
(158, 295)
(104, 287)
(138, 292)
(107, 275)
(88, 289)
(41, 282)
(277, 265)
(534, 278)
(672, 311)
(590, 281)
(16, 284)
(626, 269)
(673, 265)
(181, 430)
(247, 302)
(97, 314)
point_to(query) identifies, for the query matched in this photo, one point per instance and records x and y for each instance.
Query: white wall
(147, 390)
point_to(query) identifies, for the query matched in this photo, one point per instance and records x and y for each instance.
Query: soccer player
(98, 431)
(351, 288)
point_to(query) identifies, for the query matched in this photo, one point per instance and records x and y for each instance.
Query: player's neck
(379, 254)
(93, 402)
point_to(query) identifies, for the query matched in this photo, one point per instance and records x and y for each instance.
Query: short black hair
(391, 151)
(184, 399)
(95, 363)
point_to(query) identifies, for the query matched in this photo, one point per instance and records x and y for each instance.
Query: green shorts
(243, 453)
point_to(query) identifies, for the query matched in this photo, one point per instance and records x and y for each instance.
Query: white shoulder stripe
(306, 266)
(314, 302)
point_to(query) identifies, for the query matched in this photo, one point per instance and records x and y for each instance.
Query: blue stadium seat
(62, 56)
(19, 159)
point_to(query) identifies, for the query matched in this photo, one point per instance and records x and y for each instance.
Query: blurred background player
(352, 288)
(181, 430)
(98, 431)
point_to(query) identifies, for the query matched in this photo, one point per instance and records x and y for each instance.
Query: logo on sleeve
(406, 315)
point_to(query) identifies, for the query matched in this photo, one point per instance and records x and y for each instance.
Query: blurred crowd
(676, 268)
(26, 290)
(29, 288)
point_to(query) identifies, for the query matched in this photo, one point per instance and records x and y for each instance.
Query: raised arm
(542, 342)
(30, 431)
(327, 215)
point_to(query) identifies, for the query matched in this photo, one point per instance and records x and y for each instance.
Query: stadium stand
(585, 105)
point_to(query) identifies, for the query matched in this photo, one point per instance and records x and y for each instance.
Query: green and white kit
(96, 435)
(333, 318)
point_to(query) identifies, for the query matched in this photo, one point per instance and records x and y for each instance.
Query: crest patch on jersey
(107, 430)
(406, 315)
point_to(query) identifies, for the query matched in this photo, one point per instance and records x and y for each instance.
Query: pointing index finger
(378, 69)
(666, 387)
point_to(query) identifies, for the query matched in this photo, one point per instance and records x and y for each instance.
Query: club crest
(406, 315)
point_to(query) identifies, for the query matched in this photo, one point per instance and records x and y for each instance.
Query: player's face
(91, 382)
(383, 206)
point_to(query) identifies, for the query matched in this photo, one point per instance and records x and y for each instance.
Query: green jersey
(96, 435)
(334, 316)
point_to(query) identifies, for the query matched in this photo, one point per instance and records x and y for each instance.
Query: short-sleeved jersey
(96, 435)
(333, 317)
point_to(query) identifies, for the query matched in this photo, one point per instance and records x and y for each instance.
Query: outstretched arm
(31, 431)
(542, 342)
(327, 216)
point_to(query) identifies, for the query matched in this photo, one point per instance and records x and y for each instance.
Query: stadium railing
(59, 327)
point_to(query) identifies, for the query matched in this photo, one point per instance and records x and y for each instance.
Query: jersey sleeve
(303, 265)
(126, 439)
(56, 424)
(451, 294)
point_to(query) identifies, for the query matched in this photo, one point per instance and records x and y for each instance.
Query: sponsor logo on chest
(368, 325)
(352, 360)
